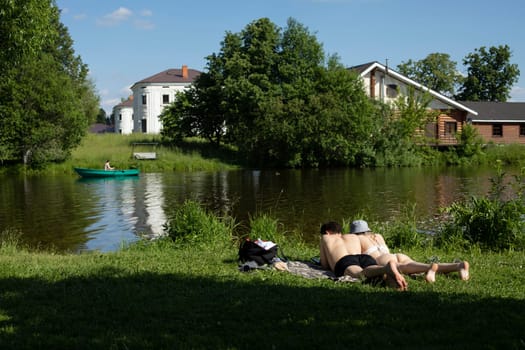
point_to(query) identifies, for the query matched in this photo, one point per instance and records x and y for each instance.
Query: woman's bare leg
(462, 268)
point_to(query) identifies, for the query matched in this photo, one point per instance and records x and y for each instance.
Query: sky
(125, 41)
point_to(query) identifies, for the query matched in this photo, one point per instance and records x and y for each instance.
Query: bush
(402, 232)
(492, 222)
(191, 224)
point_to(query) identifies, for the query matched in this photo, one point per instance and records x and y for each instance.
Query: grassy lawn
(162, 296)
(192, 155)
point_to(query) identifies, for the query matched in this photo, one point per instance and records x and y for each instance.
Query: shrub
(492, 222)
(402, 231)
(265, 228)
(191, 224)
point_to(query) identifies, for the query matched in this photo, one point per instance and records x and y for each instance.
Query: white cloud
(79, 17)
(114, 18)
(108, 104)
(126, 90)
(142, 24)
(146, 13)
(517, 94)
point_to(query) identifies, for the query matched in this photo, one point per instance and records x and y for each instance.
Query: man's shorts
(362, 260)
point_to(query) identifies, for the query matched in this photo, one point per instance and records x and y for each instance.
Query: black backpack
(251, 251)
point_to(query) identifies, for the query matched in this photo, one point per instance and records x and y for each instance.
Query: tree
(46, 98)
(24, 30)
(436, 71)
(102, 117)
(270, 92)
(490, 75)
(401, 140)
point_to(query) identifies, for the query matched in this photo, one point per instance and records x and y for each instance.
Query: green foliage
(470, 142)
(399, 141)
(46, 98)
(266, 228)
(402, 231)
(191, 224)
(269, 93)
(490, 75)
(10, 240)
(25, 30)
(493, 222)
(436, 71)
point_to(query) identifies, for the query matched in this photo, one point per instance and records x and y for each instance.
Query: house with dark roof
(499, 122)
(386, 85)
(152, 94)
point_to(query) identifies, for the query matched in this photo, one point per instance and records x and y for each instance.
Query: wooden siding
(437, 130)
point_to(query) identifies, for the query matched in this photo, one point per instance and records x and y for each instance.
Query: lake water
(73, 214)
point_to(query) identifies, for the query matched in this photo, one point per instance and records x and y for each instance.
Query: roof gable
(366, 68)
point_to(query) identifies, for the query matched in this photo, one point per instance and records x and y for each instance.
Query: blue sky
(124, 41)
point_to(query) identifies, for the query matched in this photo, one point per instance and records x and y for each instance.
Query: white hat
(359, 226)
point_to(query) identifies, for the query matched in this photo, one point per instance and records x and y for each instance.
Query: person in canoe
(373, 244)
(108, 166)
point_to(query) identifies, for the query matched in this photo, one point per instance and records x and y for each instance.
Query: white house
(153, 94)
(123, 114)
(384, 84)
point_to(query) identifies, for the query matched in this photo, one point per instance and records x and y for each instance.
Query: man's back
(333, 248)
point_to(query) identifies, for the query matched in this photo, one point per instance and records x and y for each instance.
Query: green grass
(166, 296)
(193, 155)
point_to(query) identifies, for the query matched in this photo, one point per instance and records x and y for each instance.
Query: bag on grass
(262, 252)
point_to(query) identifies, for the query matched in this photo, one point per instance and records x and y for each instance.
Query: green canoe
(86, 172)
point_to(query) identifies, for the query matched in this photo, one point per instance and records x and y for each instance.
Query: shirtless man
(343, 256)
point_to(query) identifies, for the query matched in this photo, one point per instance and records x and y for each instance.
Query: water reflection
(72, 214)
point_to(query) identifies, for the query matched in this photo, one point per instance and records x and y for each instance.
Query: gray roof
(126, 103)
(496, 111)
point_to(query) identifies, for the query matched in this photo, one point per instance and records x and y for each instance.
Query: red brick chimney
(184, 71)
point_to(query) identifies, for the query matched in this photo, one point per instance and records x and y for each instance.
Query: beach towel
(311, 270)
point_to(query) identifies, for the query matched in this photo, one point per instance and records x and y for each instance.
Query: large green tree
(490, 75)
(436, 71)
(271, 92)
(46, 98)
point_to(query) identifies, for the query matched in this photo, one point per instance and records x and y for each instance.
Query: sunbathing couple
(363, 254)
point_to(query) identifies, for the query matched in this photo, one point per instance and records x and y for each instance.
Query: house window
(497, 130)
(120, 117)
(143, 99)
(165, 99)
(451, 128)
(391, 90)
(522, 129)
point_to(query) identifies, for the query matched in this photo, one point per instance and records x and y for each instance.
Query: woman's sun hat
(359, 226)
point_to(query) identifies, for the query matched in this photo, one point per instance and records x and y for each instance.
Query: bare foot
(430, 276)
(393, 272)
(464, 271)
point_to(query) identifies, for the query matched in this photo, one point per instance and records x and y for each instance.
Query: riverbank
(164, 296)
(193, 155)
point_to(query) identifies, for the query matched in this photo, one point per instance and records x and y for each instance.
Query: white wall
(154, 105)
(123, 119)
